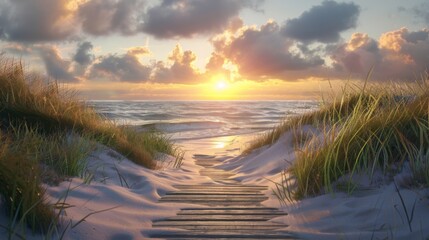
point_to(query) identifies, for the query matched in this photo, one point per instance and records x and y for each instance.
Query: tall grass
(46, 108)
(20, 189)
(363, 130)
(45, 136)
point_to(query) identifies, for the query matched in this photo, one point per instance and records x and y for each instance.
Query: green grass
(44, 107)
(46, 135)
(366, 129)
(20, 187)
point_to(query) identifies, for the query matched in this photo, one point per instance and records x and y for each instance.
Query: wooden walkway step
(229, 209)
(225, 235)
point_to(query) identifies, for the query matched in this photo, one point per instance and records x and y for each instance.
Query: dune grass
(43, 106)
(20, 187)
(364, 130)
(45, 136)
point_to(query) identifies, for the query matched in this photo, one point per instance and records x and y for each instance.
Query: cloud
(215, 63)
(397, 55)
(139, 51)
(17, 49)
(180, 71)
(83, 54)
(420, 12)
(60, 20)
(323, 23)
(358, 55)
(185, 18)
(103, 17)
(263, 53)
(56, 67)
(35, 20)
(125, 68)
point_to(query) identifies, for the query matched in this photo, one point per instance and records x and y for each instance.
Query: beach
(202, 119)
(121, 199)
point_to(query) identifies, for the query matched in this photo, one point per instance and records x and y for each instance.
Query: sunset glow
(214, 119)
(221, 85)
(170, 48)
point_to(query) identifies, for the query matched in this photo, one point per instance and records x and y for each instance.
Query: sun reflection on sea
(224, 142)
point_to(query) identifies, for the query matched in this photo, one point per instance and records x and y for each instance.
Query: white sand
(375, 212)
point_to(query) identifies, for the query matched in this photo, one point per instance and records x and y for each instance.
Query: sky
(215, 49)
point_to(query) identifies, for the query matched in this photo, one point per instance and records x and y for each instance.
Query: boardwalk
(230, 209)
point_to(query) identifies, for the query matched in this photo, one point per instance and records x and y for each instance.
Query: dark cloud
(415, 37)
(126, 68)
(397, 55)
(58, 20)
(35, 20)
(323, 23)
(421, 12)
(264, 53)
(56, 67)
(83, 54)
(185, 18)
(103, 17)
(181, 69)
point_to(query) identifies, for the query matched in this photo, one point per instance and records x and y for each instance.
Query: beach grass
(46, 134)
(364, 129)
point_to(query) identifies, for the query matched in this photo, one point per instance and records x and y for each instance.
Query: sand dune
(130, 194)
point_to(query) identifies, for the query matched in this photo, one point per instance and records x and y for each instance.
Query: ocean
(204, 126)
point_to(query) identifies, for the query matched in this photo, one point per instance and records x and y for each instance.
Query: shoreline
(328, 216)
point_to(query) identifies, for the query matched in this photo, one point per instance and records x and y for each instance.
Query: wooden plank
(220, 223)
(217, 197)
(218, 203)
(231, 212)
(217, 186)
(222, 186)
(235, 189)
(249, 194)
(226, 193)
(187, 218)
(232, 208)
(225, 227)
(229, 238)
(215, 193)
(217, 200)
(224, 235)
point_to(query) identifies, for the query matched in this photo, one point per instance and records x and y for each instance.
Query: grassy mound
(363, 130)
(45, 135)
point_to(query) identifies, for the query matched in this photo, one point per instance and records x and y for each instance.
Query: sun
(221, 85)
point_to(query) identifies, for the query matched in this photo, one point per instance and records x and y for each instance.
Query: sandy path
(230, 209)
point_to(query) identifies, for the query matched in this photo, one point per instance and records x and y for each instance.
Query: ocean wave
(182, 126)
(202, 119)
(157, 116)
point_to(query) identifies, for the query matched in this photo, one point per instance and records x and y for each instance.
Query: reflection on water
(230, 146)
(222, 142)
(215, 125)
(202, 119)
